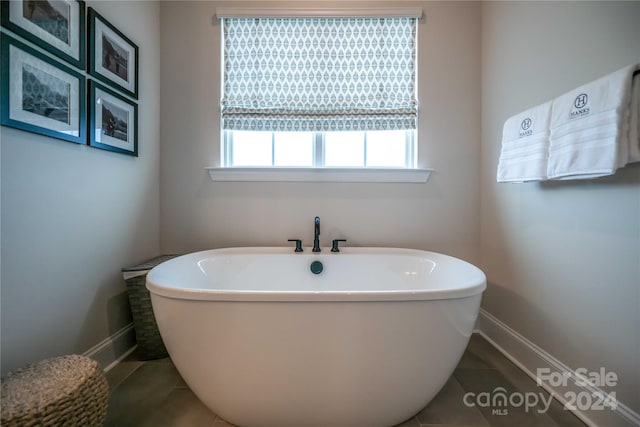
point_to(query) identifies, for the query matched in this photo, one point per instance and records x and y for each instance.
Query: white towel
(634, 121)
(591, 128)
(525, 145)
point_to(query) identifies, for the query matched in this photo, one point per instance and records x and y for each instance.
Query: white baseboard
(110, 351)
(529, 357)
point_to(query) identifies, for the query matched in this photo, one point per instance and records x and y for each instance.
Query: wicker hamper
(61, 391)
(150, 345)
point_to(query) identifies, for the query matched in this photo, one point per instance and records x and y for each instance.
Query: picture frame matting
(113, 120)
(112, 56)
(41, 95)
(58, 26)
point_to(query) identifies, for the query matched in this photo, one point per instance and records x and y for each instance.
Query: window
(319, 92)
(394, 148)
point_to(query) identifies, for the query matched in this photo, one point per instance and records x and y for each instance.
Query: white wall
(563, 259)
(440, 215)
(73, 216)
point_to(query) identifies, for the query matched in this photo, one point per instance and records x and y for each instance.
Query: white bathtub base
(323, 364)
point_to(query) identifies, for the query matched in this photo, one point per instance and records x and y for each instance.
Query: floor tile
(121, 371)
(471, 360)
(447, 425)
(181, 408)
(562, 417)
(222, 423)
(140, 394)
(482, 350)
(413, 422)
(514, 408)
(448, 408)
(181, 383)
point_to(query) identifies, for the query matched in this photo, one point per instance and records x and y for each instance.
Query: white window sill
(268, 174)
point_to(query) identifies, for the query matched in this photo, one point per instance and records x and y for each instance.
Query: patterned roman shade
(319, 74)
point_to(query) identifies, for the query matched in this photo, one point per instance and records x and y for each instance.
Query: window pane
(251, 148)
(386, 148)
(293, 149)
(344, 149)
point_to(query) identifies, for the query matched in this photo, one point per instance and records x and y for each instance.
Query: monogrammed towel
(525, 146)
(591, 128)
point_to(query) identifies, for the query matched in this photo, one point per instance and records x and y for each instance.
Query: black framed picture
(41, 95)
(113, 120)
(113, 58)
(57, 26)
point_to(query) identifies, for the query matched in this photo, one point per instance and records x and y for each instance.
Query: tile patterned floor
(153, 394)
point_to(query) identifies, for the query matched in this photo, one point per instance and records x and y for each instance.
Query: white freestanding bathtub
(263, 341)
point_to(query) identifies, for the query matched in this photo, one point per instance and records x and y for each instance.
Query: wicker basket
(62, 391)
(150, 345)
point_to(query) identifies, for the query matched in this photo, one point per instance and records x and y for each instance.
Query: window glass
(386, 148)
(320, 149)
(344, 149)
(251, 148)
(293, 149)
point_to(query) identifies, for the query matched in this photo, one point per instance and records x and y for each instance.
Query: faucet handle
(334, 245)
(298, 244)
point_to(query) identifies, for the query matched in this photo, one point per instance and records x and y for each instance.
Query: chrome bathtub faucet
(316, 235)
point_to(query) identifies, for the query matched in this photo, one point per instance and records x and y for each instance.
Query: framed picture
(113, 58)
(41, 95)
(113, 121)
(57, 26)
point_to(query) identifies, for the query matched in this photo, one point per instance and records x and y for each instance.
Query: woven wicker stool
(61, 391)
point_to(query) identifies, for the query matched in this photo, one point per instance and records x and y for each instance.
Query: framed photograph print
(41, 95)
(113, 121)
(57, 26)
(113, 58)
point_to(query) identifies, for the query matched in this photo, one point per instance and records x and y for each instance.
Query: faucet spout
(316, 235)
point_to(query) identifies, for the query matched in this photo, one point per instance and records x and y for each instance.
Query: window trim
(290, 174)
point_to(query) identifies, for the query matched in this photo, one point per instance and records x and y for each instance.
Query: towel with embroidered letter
(525, 146)
(594, 128)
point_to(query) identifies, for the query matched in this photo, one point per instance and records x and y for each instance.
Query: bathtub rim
(471, 287)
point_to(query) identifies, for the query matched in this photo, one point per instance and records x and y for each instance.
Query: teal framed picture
(113, 57)
(58, 26)
(113, 120)
(40, 94)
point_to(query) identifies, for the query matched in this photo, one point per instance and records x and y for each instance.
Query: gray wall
(72, 216)
(441, 215)
(563, 259)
